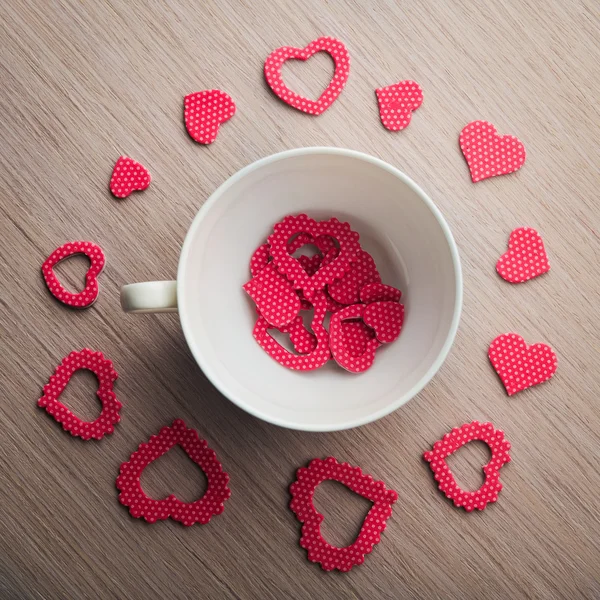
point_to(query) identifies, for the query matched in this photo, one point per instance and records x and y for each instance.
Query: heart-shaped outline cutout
(200, 511)
(89, 294)
(520, 366)
(303, 490)
(525, 258)
(341, 59)
(204, 112)
(457, 438)
(488, 153)
(386, 318)
(397, 103)
(128, 176)
(103, 369)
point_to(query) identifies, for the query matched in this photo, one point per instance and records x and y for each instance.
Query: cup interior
(398, 225)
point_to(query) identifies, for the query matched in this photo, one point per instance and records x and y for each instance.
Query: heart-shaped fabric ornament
(104, 371)
(344, 352)
(357, 335)
(520, 366)
(259, 259)
(200, 511)
(346, 290)
(397, 102)
(303, 490)
(275, 297)
(89, 294)
(341, 59)
(455, 439)
(489, 154)
(386, 318)
(379, 292)
(347, 239)
(315, 359)
(128, 176)
(204, 112)
(526, 257)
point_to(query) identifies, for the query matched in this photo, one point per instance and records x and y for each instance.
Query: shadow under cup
(398, 225)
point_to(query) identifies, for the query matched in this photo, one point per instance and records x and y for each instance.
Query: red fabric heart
(303, 490)
(489, 154)
(128, 176)
(520, 366)
(204, 112)
(104, 371)
(343, 354)
(397, 102)
(200, 511)
(346, 290)
(526, 257)
(347, 239)
(379, 292)
(357, 335)
(386, 319)
(305, 362)
(89, 294)
(341, 58)
(274, 295)
(456, 439)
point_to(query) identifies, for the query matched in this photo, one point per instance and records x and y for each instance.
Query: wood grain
(83, 82)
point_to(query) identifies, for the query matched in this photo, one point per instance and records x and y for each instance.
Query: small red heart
(303, 490)
(204, 112)
(397, 102)
(386, 319)
(89, 294)
(346, 290)
(341, 58)
(456, 439)
(379, 292)
(104, 371)
(489, 154)
(200, 511)
(526, 257)
(128, 176)
(520, 366)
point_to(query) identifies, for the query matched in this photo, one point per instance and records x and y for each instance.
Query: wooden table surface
(82, 83)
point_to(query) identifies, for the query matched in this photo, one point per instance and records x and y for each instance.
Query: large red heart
(188, 513)
(454, 440)
(341, 58)
(526, 257)
(104, 371)
(128, 176)
(397, 102)
(489, 154)
(303, 490)
(204, 112)
(89, 294)
(346, 290)
(520, 366)
(386, 318)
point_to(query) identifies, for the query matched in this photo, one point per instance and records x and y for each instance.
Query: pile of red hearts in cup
(340, 279)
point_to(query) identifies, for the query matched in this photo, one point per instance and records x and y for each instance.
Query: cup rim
(204, 363)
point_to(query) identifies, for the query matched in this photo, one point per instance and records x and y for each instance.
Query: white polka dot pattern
(454, 440)
(302, 504)
(386, 319)
(347, 239)
(104, 371)
(526, 257)
(89, 294)
(128, 176)
(259, 259)
(306, 362)
(489, 154)
(341, 59)
(275, 297)
(396, 103)
(357, 335)
(379, 292)
(204, 112)
(346, 290)
(200, 511)
(343, 355)
(520, 366)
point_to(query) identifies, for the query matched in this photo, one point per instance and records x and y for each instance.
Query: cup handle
(149, 297)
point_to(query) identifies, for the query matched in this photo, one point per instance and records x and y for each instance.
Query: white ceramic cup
(399, 226)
